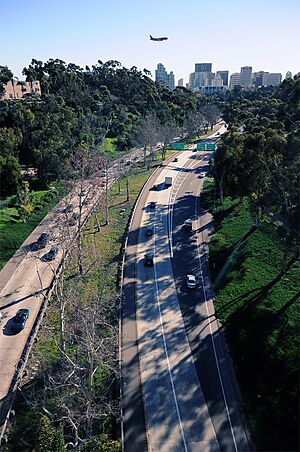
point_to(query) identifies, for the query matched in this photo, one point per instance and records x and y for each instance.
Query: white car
(191, 281)
(202, 174)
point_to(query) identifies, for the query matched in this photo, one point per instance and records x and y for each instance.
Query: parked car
(191, 281)
(148, 259)
(188, 224)
(68, 208)
(152, 204)
(50, 255)
(41, 242)
(149, 231)
(19, 321)
(73, 220)
(202, 175)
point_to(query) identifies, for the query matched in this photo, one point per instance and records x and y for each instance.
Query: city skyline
(263, 34)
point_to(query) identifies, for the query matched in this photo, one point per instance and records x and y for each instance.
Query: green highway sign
(206, 147)
(178, 146)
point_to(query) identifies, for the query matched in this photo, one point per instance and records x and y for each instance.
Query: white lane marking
(210, 329)
(172, 199)
(165, 344)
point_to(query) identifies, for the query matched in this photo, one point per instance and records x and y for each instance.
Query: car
(41, 242)
(68, 208)
(148, 259)
(202, 175)
(152, 204)
(73, 220)
(149, 231)
(188, 224)
(191, 281)
(19, 320)
(50, 255)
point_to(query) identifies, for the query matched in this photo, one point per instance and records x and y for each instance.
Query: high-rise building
(246, 72)
(273, 79)
(180, 82)
(235, 80)
(203, 67)
(200, 79)
(224, 76)
(288, 74)
(259, 79)
(162, 76)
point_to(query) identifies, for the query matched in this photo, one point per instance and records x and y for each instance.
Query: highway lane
(213, 367)
(167, 366)
(176, 413)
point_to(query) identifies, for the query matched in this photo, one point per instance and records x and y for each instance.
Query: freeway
(181, 382)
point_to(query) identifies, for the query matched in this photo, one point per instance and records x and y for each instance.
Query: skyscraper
(162, 76)
(246, 72)
(203, 67)
(235, 79)
(288, 75)
(180, 82)
(224, 76)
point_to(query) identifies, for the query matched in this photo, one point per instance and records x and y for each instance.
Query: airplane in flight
(163, 38)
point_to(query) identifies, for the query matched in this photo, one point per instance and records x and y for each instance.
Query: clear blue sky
(263, 34)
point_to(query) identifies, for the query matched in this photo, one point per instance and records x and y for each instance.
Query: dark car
(188, 224)
(73, 220)
(41, 242)
(148, 259)
(68, 208)
(18, 322)
(152, 204)
(149, 231)
(50, 255)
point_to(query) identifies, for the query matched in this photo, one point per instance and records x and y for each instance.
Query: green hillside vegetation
(254, 255)
(258, 304)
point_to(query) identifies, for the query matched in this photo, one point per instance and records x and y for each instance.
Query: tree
(10, 174)
(147, 134)
(5, 76)
(166, 133)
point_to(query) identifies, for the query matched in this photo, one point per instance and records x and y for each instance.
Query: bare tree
(84, 180)
(211, 113)
(147, 135)
(194, 123)
(167, 133)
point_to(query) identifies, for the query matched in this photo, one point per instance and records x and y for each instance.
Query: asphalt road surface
(180, 393)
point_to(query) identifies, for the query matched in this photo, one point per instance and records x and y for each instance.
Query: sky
(263, 34)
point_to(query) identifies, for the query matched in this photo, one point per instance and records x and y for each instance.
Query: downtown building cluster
(208, 82)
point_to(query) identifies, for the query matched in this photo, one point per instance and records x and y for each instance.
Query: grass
(13, 231)
(258, 305)
(108, 146)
